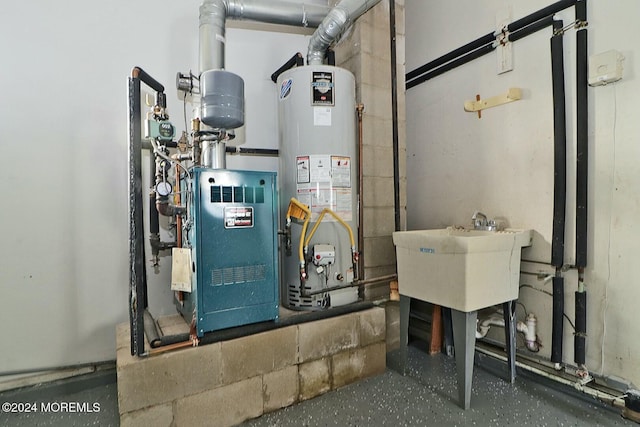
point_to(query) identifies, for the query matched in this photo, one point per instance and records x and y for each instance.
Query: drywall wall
(502, 163)
(63, 124)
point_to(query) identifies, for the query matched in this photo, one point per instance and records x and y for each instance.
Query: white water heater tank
(318, 166)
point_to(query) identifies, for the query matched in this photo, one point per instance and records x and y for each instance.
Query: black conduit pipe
(559, 148)
(542, 13)
(394, 116)
(454, 54)
(451, 65)
(582, 180)
(137, 278)
(138, 300)
(273, 152)
(530, 29)
(517, 29)
(559, 189)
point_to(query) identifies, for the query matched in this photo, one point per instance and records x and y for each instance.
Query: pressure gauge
(163, 189)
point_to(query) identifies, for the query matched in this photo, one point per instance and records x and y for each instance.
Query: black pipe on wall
(582, 179)
(137, 274)
(582, 130)
(483, 45)
(559, 188)
(394, 116)
(559, 147)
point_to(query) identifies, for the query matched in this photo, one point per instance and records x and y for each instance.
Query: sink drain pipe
(559, 189)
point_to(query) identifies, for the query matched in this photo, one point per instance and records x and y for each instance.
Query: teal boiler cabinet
(233, 235)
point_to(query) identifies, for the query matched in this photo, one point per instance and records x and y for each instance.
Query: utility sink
(462, 269)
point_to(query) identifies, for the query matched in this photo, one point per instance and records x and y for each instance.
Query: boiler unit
(234, 249)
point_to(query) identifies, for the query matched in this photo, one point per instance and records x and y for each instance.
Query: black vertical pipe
(394, 114)
(559, 189)
(559, 147)
(582, 180)
(137, 274)
(580, 342)
(558, 321)
(582, 129)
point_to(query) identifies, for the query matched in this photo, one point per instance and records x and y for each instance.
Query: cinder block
(328, 336)
(378, 161)
(379, 251)
(123, 336)
(353, 365)
(259, 354)
(377, 100)
(280, 388)
(376, 131)
(224, 406)
(379, 222)
(157, 416)
(377, 191)
(372, 326)
(315, 378)
(375, 70)
(158, 379)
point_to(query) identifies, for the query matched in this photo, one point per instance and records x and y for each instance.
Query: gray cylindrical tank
(222, 99)
(318, 158)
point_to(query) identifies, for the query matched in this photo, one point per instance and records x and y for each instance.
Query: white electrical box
(605, 67)
(324, 254)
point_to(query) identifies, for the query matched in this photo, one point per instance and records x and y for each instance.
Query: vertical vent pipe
(333, 26)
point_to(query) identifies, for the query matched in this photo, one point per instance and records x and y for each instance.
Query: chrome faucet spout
(479, 219)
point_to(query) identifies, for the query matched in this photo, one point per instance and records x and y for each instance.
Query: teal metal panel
(235, 249)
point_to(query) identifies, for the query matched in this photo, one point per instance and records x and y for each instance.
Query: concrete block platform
(228, 382)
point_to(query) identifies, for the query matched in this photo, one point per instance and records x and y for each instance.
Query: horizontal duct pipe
(214, 13)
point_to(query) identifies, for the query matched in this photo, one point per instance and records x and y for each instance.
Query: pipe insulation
(214, 13)
(557, 329)
(333, 26)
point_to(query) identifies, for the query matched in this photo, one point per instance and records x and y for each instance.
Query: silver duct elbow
(336, 22)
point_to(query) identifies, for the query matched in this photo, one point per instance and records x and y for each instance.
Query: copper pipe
(177, 201)
(360, 110)
(170, 347)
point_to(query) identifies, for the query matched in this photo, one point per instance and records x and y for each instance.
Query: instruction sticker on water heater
(322, 88)
(324, 181)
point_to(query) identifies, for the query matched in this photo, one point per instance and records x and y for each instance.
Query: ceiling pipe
(333, 26)
(214, 13)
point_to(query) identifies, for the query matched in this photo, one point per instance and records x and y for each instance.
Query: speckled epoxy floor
(427, 395)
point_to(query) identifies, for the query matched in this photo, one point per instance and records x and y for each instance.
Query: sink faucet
(480, 222)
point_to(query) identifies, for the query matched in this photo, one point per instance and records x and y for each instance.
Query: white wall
(63, 126)
(502, 163)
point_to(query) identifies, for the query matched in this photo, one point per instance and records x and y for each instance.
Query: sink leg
(448, 331)
(405, 305)
(464, 336)
(509, 309)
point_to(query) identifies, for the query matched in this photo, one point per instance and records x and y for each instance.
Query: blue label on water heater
(285, 88)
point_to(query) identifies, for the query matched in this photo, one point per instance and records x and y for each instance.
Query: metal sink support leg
(405, 306)
(464, 338)
(509, 309)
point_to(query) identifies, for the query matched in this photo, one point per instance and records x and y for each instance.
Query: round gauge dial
(164, 188)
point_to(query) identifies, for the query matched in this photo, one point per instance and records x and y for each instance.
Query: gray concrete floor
(426, 396)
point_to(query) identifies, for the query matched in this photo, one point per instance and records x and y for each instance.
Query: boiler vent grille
(241, 274)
